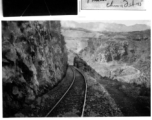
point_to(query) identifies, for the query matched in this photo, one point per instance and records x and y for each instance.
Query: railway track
(72, 102)
(85, 95)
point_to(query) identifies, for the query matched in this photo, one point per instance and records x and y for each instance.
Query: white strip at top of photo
(112, 5)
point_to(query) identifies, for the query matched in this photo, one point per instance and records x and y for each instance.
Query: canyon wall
(34, 60)
(121, 56)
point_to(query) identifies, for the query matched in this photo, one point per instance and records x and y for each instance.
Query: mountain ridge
(101, 26)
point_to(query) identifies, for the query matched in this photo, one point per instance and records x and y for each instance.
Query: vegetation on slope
(115, 55)
(130, 99)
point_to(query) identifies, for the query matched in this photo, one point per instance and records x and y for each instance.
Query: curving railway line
(72, 102)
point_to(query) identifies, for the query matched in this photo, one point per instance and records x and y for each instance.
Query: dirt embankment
(130, 98)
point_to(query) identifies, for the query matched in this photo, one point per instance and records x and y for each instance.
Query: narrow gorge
(44, 63)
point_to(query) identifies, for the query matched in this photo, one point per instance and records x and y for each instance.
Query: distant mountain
(100, 26)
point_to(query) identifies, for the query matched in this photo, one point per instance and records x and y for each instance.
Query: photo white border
(83, 15)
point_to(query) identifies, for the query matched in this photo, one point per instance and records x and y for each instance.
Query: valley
(119, 61)
(75, 69)
(124, 56)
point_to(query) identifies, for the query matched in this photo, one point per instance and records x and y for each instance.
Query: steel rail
(85, 96)
(26, 8)
(63, 94)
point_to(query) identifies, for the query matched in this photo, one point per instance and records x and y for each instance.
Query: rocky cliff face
(34, 60)
(121, 56)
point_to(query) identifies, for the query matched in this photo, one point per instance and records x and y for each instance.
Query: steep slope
(118, 61)
(34, 60)
(76, 39)
(121, 56)
(107, 97)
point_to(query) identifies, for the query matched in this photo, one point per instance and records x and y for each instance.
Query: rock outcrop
(121, 56)
(34, 60)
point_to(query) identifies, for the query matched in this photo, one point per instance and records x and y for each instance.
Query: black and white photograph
(76, 68)
(14, 8)
(112, 5)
